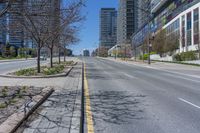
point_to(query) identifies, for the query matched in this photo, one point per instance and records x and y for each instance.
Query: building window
(189, 26)
(183, 31)
(196, 26)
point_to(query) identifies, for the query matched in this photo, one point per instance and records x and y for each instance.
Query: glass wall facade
(183, 31)
(189, 27)
(186, 26)
(196, 25)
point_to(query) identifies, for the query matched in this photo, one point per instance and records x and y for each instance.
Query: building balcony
(157, 4)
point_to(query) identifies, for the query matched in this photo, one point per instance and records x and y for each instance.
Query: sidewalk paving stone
(61, 112)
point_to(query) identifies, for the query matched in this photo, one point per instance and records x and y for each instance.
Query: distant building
(144, 10)
(11, 30)
(2, 29)
(86, 52)
(108, 27)
(127, 20)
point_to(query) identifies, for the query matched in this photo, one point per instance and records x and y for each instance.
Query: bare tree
(172, 43)
(159, 42)
(42, 21)
(67, 16)
(69, 39)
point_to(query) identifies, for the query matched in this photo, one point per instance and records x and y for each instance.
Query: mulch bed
(13, 98)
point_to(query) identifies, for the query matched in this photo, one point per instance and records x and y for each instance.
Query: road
(6, 67)
(127, 98)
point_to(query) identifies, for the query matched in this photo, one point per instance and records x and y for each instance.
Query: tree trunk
(59, 55)
(64, 55)
(51, 57)
(38, 59)
(199, 50)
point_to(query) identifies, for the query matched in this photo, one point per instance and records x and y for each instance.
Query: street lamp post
(150, 17)
(149, 47)
(115, 52)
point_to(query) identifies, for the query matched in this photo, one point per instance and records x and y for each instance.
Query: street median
(47, 72)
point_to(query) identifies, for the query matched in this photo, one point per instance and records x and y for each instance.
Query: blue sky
(89, 34)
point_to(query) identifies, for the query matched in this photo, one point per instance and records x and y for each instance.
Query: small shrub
(26, 72)
(145, 56)
(152, 53)
(12, 101)
(55, 70)
(5, 91)
(3, 105)
(185, 56)
(177, 57)
(23, 89)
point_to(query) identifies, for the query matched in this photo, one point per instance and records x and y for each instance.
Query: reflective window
(183, 31)
(189, 26)
(196, 26)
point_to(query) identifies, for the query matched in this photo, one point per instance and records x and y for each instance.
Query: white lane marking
(183, 100)
(130, 76)
(193, 76)
(171, 74)
(160, 69)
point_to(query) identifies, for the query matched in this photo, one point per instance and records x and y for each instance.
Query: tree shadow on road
(116, 107)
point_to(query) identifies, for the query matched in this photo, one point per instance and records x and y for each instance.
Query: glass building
(108, 27)
(180, 17)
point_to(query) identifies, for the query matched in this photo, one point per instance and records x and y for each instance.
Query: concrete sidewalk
(61, 112)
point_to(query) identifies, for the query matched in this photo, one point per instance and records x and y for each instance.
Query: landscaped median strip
(17, 119)
(63, 74)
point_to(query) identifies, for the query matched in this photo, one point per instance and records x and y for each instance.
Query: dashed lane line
(185, 101)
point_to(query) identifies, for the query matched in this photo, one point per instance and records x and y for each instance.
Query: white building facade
(187, 26)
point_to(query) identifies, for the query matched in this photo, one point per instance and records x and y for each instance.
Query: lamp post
(149, 47)
(116, 53)
(150, 18)
(125, 52)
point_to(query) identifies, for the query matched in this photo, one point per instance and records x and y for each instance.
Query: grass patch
(45, 70)
(4, 91)
(26, 72)
(2, 105)
(13, 101)
(55, 70)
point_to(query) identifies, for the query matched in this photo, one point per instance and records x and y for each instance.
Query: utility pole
(150, 17)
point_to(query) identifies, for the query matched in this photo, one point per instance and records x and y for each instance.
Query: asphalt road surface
(6, 67)
(132, 99)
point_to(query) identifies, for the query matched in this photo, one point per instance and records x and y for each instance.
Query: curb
(39, 77)
(17, 119)
(40, 102)
(3, 61)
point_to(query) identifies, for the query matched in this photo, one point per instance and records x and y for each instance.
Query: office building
(12, 28)
(144, 10)
(180, 17)
(108, 27)
(86, 52)
(127, 20)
